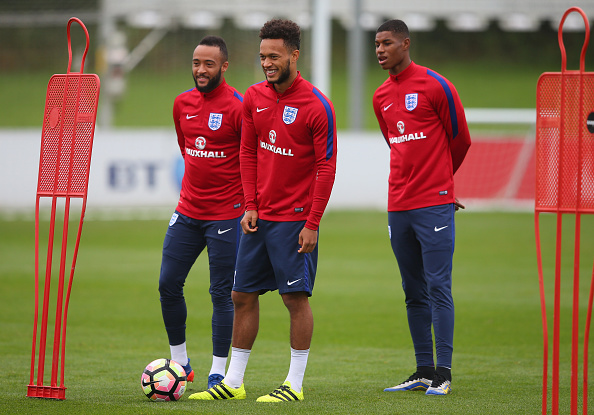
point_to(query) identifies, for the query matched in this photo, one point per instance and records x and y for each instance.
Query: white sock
(237, 365)
(297, 368)
(218, 365)
(179, 353)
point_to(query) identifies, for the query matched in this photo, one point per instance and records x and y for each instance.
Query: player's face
(278, 63)
(208, 67)
(392, 51)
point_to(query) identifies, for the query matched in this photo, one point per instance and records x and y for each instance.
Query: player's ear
(295, 55)
(224, 66)
(406, 43)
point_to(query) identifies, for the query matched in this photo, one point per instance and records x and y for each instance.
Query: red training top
(423, 122)
(208, 127)
(288, 152)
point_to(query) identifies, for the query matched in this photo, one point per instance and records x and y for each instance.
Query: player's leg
(435, 228)
(301, 331)
(245, 329)
(222, 239)
(295, 276)
(301, 317)
(407, 251)
(253, 275)
(247, 319)
(182, 244)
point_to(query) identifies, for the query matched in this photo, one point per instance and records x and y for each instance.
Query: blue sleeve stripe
(451, 104)
(191, 89)
(329, 115)
(238, 96)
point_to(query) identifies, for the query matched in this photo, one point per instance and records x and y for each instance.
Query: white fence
(140, 170)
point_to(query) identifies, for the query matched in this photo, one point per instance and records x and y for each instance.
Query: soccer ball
(163, 380)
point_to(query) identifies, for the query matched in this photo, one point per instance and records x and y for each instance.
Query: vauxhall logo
(273, 148)
(200, 144)
(405, 137)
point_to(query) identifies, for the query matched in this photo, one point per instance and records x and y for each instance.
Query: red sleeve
(460, 144)
(380, 119)
(248, 155)
(451, 114)
(324, 139)
(181, 140)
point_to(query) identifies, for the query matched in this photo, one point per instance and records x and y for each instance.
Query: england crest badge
(410, 101)
(173, 219)
(214, 121)
(289, 114)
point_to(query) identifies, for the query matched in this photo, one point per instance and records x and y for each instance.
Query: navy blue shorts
(269, 260)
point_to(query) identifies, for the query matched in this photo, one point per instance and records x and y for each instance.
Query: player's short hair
(218, 42)
(286, 30)
(398, 27)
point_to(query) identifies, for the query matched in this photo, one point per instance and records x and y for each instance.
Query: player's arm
(248, 155)
(237, 114)
(181, 140)
(250, 218)
(459, 147)
(451, 112)
(460, 144)
(380, 119)
(324, 141)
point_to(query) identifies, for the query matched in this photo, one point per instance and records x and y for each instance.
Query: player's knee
(244, 300)
(221, 301)
(221, 290)
(295, 301)
(170, 290)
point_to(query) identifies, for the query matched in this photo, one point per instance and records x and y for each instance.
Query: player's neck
(401, 66)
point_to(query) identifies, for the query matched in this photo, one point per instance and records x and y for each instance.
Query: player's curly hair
(287, 30)
(395, 26)
(218, 42)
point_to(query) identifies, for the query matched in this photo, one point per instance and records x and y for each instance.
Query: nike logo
(386, 108)
(149, 383)
(293, 282)
(188, 116)
(261, 109)
(436, 229)
(222, 232)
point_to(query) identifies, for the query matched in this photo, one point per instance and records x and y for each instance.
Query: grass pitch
(361, 342)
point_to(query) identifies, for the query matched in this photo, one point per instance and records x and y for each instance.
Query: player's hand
(308, 240)
(458, 205)
(249, 222)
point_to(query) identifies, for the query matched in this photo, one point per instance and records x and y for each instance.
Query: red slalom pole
(64, 166)
(586, 344)
(564, 130)
(543, 309)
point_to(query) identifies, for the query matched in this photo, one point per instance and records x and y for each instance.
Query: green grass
(361, 342)
(149, 97)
